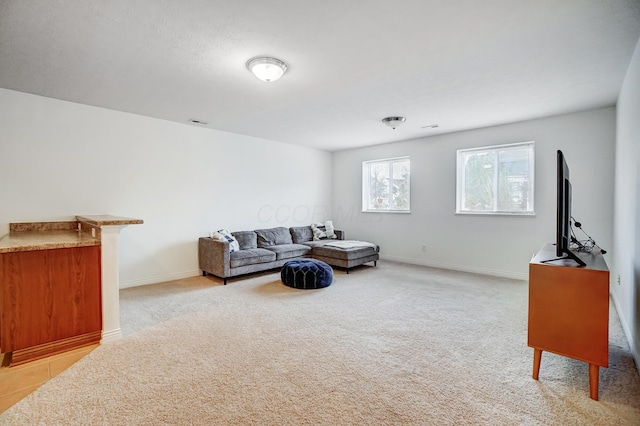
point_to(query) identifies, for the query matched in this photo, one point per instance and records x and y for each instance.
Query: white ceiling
(460, 63)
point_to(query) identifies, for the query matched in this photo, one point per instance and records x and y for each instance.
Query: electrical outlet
(618, 279)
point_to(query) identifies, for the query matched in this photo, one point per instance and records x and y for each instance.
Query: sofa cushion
(301, 234)
(250, 257)
(288, 251)
(273, 236)
(246, 239)
(343, 254)
(319, 243)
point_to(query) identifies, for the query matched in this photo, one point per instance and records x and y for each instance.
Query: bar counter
(59, 286)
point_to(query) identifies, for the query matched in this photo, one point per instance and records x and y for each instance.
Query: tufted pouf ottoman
(306, 274)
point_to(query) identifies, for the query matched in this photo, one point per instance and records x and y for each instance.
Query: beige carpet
(396, 344)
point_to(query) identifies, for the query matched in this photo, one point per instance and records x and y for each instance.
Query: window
(496, 179)
(385, 185)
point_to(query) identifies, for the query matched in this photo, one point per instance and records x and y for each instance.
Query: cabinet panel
(49, 295)
(569, 312)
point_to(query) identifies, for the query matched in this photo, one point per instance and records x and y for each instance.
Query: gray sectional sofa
(265, 249)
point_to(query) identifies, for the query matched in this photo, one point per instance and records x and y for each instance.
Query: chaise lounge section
(266, 249)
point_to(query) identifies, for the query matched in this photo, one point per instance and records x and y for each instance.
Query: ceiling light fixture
(267, 69)
(393, 122)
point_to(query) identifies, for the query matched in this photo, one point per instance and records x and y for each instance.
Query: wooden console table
(569, 310)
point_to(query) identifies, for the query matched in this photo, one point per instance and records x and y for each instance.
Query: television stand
(569, 310)
(569, 255)
(574, 257)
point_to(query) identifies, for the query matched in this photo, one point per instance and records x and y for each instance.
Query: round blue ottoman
(306, 274)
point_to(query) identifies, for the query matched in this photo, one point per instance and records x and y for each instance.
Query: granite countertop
(45, 240)
(29, 236)
(106, 220)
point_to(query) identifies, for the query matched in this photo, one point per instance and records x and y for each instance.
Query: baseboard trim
(635, 352)
(45, 350)
(460, 268)
(160, 278)
(111, 335)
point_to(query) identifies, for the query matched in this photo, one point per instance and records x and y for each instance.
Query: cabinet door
(49, 295)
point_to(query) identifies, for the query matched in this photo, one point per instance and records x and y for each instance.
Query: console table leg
(594, 372)
(537, 356)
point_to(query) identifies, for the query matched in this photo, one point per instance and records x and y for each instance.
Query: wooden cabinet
(50, 301)
(569, 310)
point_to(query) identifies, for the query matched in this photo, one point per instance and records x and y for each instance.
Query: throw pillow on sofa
(224, 235)
(324, 231)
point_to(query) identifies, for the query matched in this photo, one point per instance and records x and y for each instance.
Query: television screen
(563, 225)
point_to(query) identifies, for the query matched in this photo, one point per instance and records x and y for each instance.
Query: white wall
(60, 159)
(495, 245)
(626, 256)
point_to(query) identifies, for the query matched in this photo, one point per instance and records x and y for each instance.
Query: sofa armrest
(213, 256)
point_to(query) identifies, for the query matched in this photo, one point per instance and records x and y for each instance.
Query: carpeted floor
(391, 345)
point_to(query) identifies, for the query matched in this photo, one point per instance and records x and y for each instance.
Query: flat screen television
(563, 225)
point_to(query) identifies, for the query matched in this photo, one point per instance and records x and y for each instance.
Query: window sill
(387, 211)
(532, 214)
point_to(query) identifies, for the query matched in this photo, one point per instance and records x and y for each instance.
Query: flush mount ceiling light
(393, 122)
(267, 69)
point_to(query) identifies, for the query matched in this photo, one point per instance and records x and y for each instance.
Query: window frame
(460, 179)
(366, 175)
